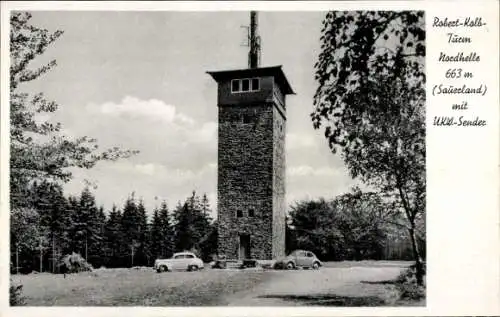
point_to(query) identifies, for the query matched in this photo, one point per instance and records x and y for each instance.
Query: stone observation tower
(251, 157)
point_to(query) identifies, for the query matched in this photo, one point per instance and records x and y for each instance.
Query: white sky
(138, 81)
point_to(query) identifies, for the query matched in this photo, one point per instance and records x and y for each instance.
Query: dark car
(298, 258)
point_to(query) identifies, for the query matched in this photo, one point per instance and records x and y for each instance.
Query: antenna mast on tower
(254, 54)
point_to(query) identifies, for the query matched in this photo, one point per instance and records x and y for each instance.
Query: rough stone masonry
(251, 165)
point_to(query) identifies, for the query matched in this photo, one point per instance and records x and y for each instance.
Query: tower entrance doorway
(244, 247)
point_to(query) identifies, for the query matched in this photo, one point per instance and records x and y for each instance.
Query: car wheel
(316, 265)
(290, 266)
(162, 268)
(193, 268)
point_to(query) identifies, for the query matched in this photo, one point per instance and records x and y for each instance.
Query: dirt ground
(354, 286)
(336, 284)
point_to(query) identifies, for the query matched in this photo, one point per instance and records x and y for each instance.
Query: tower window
(239, 213)
(255, 84)
(251, 213)
(235, 85)
(245, 85)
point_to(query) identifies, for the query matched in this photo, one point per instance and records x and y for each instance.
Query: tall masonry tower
(251, 157)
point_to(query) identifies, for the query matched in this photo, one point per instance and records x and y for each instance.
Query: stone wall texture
(251, 176)
(279, 203)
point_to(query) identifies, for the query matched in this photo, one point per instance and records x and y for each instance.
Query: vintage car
(182, 261)
(298, 259)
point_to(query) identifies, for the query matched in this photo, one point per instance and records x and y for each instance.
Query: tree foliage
(156, 234)
(25, 228)
(16, 297)
(162, 233)
(42, 158)
(352, 226)
(38, 149)
(111, 238)
(192, 225)
(86, 231)
(49, 200)
(134, 224)
(370, 102)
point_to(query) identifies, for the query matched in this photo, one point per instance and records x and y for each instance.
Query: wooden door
(244, 247)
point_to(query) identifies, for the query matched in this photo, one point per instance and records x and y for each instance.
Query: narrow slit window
(247, 118)
(251, 213)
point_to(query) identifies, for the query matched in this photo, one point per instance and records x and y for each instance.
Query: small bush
(406, 283)
(74, 263)
(16, 298)
(411, 291)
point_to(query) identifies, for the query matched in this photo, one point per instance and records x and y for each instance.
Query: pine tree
(161, 233)
(184, 239)
(73, 207)
(194, 201)
(39, 151)
(134, 230)
(98, 246)
(202, 223)
(205, 206)
(114, 239)
(166, 232)
(192, 227)
(48, 199)
(143, 252)
(208, 244)
(86, 229)
(156, 235)
(129, 228)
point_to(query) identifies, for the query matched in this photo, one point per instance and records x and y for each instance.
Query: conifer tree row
(54, 226)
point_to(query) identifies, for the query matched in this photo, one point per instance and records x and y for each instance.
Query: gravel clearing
(336, 284)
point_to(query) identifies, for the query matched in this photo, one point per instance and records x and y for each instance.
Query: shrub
(406, 283)
(16, 298)
(411, 291)
(74, 263)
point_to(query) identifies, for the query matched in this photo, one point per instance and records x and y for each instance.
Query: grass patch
(126, 287)
(331, 300)
(346, 286)
(403, 290)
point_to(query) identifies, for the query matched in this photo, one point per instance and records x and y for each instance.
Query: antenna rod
(254, 54)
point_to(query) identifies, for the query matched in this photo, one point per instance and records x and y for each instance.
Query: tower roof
(274, 71)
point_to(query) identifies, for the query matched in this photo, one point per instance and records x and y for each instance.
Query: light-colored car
(298, 258)
(182, 261)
